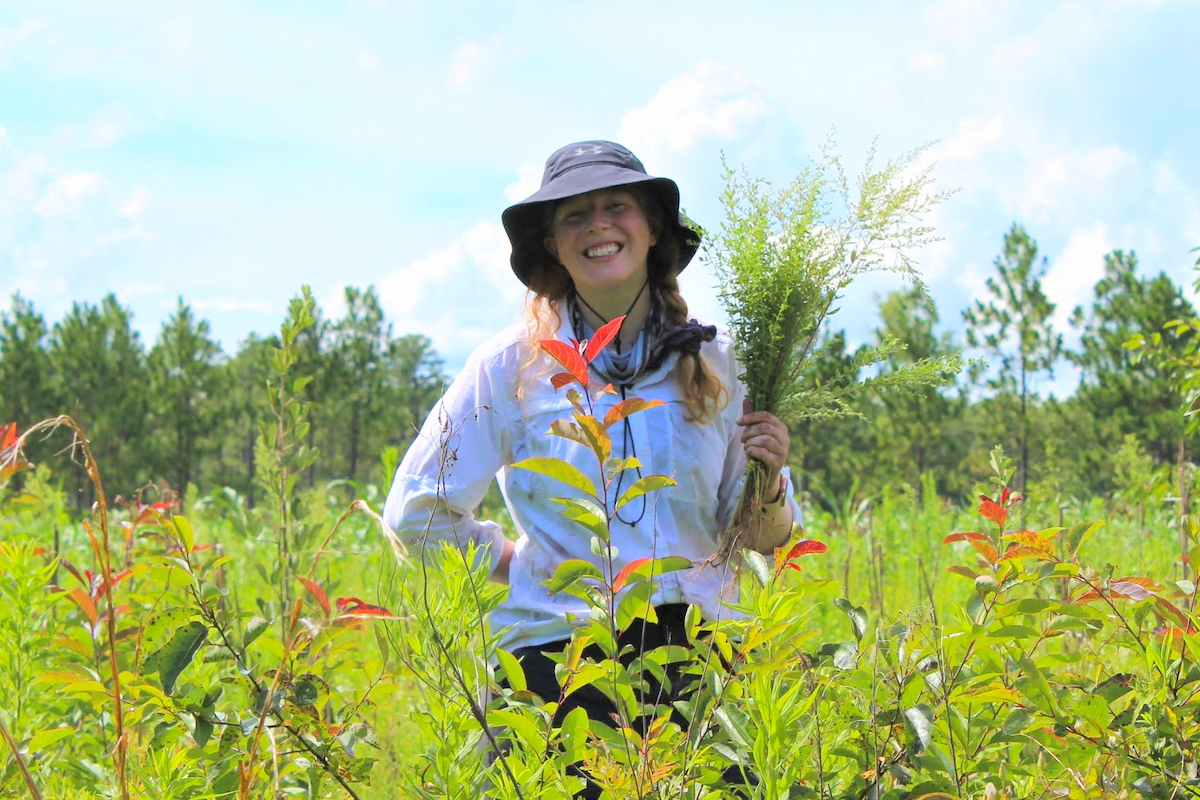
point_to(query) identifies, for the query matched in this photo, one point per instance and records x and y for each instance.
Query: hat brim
(524, 221)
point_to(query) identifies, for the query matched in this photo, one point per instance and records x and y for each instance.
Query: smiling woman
(601, 240)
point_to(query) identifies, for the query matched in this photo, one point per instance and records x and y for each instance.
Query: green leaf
(920, 727)
(586, 512)
(43, 739)
(158, 631)
(203, 731)
(511, 670)
(641, 569)
(569, 572)
(758, 565)
(185, 533)
(614, 466)
(305, 693)
(179, 651)
(1077, 533)
(254, 628)
(559, 470)
(635, 605)
(597, 436)
(650, 483)
(857, 615)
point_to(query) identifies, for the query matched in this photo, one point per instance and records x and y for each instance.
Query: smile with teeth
(602, 250)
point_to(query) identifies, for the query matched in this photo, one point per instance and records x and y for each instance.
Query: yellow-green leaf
(559, 470)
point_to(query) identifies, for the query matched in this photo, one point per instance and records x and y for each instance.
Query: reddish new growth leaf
(626, 571)
(992, 510)
(11, 461)
(317, 592)
(802, 548)
(352, 611)
(570, 359)
(1133, 588)
(606, 334)
(561, 379)
(967, 536)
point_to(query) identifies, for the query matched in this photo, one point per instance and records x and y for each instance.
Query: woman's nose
(598, 218)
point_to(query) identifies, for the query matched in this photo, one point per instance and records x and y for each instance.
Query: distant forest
(183, 413)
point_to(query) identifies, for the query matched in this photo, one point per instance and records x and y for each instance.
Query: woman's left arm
(765, 438)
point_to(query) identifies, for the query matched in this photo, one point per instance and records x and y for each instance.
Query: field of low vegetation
(199, 600)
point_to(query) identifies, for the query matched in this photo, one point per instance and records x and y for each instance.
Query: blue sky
(230, 152)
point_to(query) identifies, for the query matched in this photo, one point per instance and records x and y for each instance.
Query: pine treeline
(184, 413)
(181, 412)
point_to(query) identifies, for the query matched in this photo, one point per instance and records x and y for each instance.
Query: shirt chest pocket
(534, 440)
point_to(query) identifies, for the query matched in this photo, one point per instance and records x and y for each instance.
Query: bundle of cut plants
(784, 257)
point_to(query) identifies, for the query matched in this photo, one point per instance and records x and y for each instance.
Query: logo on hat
(595, 149)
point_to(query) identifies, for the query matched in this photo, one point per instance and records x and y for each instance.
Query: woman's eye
(618, 205)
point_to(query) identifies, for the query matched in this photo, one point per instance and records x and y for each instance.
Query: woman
(599, 239)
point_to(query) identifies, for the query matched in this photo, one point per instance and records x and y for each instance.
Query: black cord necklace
(604, 320)
(628, 446)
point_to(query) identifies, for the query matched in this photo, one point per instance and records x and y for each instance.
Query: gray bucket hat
(583, 167)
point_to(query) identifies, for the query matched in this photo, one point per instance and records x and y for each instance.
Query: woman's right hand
(500, 573)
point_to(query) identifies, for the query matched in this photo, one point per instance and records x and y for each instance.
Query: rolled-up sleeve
(435, 493)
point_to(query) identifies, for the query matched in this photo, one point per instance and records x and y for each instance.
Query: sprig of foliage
(784, 257)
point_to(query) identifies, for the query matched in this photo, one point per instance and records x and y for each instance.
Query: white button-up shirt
(483, 424)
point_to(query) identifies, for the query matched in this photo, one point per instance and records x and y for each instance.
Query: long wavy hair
(703, 392)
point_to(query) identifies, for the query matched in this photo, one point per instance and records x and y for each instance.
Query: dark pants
(642, 636)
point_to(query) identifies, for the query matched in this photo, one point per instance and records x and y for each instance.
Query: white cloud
(367, 61)
(974, 137)
(926, 60)
(469, 63)
(10, 38)
(1059, 180)
(132, 211)
(1072, 276)
(457, 295)
(529, 178)
(66, 195)
(134, 289)
(711, 100)
(177, 36)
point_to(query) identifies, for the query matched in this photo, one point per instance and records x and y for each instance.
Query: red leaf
(1134, 588)
(993, 510)
(966, 572)
(561, 379)
(965, 536)
(626, 571)
(627, 407)
(8, 435)
(600, 340)
(801, 548)
(1165, 605)
(1025, 551)
(84, 601)
(120, 576)
(569, 357)
(352, 606)
(317, 592)
(986, 550)
(354, 611)
(1004, 496)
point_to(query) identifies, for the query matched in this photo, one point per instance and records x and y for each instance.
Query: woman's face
(603, 239)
